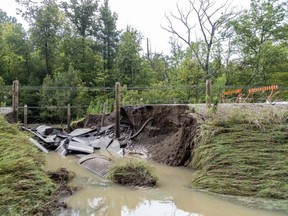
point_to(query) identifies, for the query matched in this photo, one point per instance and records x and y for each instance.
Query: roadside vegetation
(74, 51)
(134, 172)
(243, 152)
(25, 189)
(24, 186)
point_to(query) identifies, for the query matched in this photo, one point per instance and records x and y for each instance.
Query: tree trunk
(208, 92)
(48, 71)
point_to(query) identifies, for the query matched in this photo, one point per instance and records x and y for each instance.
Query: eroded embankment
(162, 133)
(244, 152)
(168, 137)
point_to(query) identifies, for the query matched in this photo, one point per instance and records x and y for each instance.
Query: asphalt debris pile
(80, 141)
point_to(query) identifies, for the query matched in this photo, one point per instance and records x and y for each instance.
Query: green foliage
(82, 15)
(128, 60)
(191, 75)
(219, 85)
(86, 58)
(101, 104)
(24, 186)
(13, 53)
(44, 21)
(4, 18)
(243, 153)
(109, 37)
(134, 172)
(84, 35)
(157, 94)
(2, 93)
(56, 92)
(281, 79)
(259, 34)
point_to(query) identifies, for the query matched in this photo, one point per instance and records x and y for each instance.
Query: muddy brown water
(172, 196)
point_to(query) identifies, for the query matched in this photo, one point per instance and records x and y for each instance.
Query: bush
(132, 172)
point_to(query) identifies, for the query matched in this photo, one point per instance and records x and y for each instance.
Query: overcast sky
(144, 15)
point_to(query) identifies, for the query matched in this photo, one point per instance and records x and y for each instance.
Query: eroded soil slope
(163, 134)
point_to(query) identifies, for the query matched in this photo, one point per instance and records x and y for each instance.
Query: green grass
(244, 152)
(129, 171)
(24, 186)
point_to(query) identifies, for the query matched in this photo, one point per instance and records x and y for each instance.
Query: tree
(210, 19)
(83, 16)
(45, 22)
(160, 66)
(59, 86)
(14, 58)
(89, 62)
(190, 76)
(13, 53)
(109, 38)
(4, 18)
(128, 59)
(44, 32)
(259, 36)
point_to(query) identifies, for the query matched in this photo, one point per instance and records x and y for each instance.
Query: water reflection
(156, 207)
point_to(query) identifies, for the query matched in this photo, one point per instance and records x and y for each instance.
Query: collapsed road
(82, 142)
(164, 134)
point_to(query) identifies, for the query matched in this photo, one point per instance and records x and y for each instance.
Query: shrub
(134, 172)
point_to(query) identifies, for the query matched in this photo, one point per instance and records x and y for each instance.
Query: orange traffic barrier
(238, 92)
(272, 88)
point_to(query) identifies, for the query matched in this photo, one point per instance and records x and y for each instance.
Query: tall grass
(243, 152)
(24, 186)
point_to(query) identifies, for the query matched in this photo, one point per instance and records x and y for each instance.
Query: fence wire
(26, 92)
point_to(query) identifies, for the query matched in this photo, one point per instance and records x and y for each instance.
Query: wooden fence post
(15, 93)
(117, 110)
(25, 114)
(68, 117)
(103, 113)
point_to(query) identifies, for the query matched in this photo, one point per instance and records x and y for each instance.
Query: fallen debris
(161, 133)
(79, 147)
(81, 140)
(38, 145)
(96, 163)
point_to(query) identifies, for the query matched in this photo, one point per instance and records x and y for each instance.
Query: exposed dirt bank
(163, 134)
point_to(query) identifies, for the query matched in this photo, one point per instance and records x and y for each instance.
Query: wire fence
(52, 102)
(166, 96)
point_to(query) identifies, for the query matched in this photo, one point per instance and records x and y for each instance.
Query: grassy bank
(244, 152)
(24, 187)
